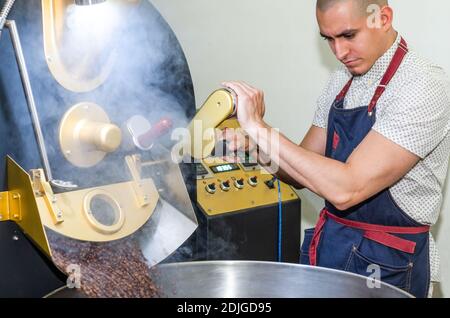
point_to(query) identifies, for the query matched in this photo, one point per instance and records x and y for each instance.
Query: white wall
(274, 45)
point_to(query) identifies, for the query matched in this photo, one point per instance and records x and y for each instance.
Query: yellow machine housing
(235, 196)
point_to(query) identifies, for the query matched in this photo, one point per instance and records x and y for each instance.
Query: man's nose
(340, 50)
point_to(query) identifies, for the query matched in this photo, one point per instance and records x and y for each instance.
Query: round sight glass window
(103, 211)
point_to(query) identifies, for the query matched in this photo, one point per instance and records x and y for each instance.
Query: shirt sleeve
(418, 117)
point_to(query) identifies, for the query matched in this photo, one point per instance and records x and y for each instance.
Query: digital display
(201, 170)
(225, 168)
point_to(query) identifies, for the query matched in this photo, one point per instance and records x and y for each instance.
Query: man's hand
(250, 104)
(237, 140)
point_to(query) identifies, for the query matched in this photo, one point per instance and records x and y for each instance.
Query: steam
(149, 77)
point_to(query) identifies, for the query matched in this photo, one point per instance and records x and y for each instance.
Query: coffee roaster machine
(92, 94)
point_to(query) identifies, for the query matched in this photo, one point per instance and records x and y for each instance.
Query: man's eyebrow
(347, 33)
(342, 34)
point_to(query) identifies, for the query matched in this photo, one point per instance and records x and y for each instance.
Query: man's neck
(390, 40)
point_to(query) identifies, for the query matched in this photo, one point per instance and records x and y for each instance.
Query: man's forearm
(264, 161)
(286, 178)
(328, 178)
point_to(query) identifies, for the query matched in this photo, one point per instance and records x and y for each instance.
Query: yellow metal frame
(21, 207)
(218, 107)
(69, 213)
(53, 17)
(4, 206)
(78, 225)
(31, 203)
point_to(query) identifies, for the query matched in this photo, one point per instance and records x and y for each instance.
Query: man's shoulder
(421, 88)
(419, 68)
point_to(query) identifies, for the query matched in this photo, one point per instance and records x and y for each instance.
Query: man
(377, 151)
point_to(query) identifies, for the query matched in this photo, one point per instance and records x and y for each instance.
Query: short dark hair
(324, 5)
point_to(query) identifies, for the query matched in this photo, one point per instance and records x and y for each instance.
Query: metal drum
(245, 279)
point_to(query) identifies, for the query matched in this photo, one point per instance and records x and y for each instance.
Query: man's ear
(386, 18)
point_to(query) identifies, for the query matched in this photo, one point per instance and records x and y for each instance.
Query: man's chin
(357, 68)
(356, 71)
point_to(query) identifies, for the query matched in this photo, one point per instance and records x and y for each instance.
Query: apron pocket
(398, 276)
(336, 243)
(304, 250)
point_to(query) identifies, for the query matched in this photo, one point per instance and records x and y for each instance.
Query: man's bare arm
(376, 164)
(314, 141)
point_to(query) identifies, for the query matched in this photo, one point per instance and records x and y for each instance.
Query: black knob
(211, 188)
(225, 185)
(239, 183)
(253, 181)
(270, 183)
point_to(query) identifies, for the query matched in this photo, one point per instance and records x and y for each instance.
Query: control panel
(239, 213)
(224, 187)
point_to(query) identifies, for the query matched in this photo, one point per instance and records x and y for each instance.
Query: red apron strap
(379, 228)
(316, 238)
(345, 90)
(397, 60)
(379, 233)
(391, 241)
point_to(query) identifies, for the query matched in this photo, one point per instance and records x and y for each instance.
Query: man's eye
(349, 36)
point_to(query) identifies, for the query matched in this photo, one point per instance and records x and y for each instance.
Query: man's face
(352, 41)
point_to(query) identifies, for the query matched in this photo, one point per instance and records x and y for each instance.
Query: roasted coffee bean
(110, 269)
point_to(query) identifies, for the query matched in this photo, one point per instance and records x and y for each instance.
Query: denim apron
(375, 236)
